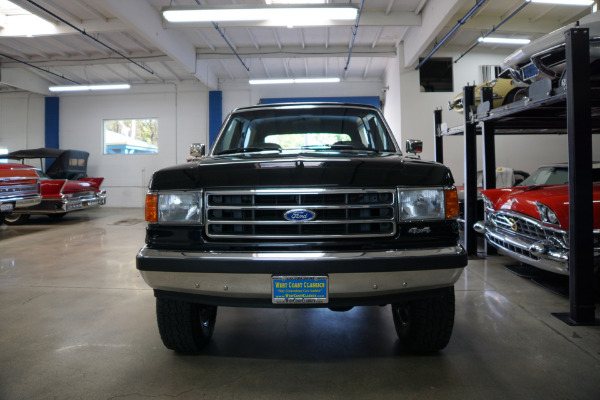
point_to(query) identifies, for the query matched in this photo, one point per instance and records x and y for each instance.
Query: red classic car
(64, 185)
(19, 187)
(530, 222)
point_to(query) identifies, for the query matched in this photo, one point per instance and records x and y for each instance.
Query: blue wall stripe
(51, 123)
(372, 100)
(215, 114)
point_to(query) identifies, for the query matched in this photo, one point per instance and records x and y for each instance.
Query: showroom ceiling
(157, 51)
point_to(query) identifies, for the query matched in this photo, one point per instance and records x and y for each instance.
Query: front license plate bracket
(300, 289)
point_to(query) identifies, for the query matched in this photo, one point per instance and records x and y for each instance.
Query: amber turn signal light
(451, 202)
(152, 207)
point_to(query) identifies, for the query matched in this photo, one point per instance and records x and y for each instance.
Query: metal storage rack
(572, 109)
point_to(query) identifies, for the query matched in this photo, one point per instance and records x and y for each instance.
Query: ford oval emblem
(299, 215)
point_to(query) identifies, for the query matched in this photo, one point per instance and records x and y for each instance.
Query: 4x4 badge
(298, 215)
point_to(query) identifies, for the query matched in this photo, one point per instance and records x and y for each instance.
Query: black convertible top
(68, 164)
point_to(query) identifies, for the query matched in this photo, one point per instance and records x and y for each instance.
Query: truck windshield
(297, 129)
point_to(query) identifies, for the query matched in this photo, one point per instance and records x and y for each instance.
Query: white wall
(522, 152)
(21, 120)
(182, 113)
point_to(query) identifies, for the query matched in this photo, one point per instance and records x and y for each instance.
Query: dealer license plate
(6, 207)
(300, 289)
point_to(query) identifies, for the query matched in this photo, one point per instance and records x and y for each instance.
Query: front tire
(425, 325)
(185, 327)
(15, 219)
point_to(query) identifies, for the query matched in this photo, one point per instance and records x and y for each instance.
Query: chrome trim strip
(301, 255)
(301, 191)
(294, 223)
(341, 285)
(275, 207)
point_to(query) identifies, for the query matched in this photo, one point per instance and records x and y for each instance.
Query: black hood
(305, 170)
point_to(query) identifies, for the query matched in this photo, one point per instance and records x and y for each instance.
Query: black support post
(470, 202)
(439, 140)
(581, 217)
(489, 155)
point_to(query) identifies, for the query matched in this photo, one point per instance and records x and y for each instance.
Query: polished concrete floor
(77, 322)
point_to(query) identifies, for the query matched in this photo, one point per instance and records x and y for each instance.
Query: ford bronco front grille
(301, 213)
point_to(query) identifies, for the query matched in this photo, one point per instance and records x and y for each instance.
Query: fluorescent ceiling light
(496, 40)
(317, 80)
(295, 1)
(18, 22)
(565, 2)
(288, 81)
(284, 16)
(84, 88)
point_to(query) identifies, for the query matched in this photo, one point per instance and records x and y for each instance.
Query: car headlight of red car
(547, 215)
(487, 204)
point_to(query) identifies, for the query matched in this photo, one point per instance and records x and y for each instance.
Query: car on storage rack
(65, 186)
(530, 222)
(503, 92)
(545, 58)
(19, 187)
(303, 205)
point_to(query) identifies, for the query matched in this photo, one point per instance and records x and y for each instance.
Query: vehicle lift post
(470, 146)
(581, 215)
(489, 154)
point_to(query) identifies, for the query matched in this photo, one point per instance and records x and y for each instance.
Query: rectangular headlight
(421, 204)
(180, 207)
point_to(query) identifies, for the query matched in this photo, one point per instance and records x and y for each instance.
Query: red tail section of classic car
(95, 181)
(19, 187)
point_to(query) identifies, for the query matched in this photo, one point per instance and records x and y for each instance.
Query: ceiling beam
(299, 51)
(517, 24)
(148, 23)
(24, 79)
(90, 26)
(436, 14)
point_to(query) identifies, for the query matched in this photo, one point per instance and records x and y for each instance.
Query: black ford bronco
(303, 205)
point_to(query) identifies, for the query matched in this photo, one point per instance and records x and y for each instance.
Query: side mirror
(414, 146)
(197, 149)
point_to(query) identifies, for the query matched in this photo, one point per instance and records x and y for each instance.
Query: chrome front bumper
(352, 275)
(541, 254)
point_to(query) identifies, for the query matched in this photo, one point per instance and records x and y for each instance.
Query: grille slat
(338, 213)
(18, 190)
(517, 225)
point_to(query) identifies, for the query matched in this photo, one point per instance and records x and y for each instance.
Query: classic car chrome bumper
(352, 275)
(65, 204)
(11, 204)
(32, 201)
(541, 254)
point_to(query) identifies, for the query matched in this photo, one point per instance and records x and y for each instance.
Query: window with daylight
(436, 75)
(131, 136)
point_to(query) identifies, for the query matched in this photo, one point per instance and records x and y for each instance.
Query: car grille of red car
(513, 223)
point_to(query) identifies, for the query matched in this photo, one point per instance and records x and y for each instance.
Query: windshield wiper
(247, 150)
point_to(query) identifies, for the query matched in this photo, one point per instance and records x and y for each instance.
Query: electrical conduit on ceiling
(89, 36)
(452, 31)
(227, 41)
